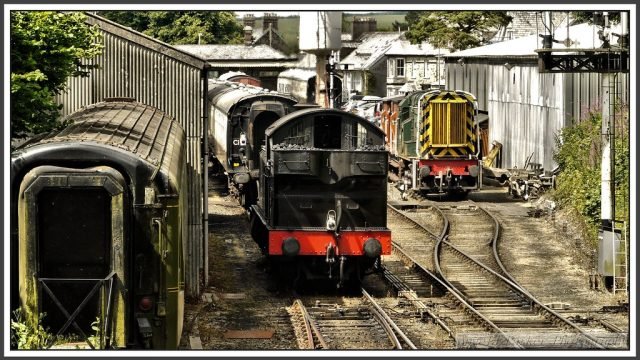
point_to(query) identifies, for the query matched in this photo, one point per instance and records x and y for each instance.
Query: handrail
(71, 318)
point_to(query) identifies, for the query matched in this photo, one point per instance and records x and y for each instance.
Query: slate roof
(403, 47)
(527, 23)
(301, 74)
(259, 33)
(372, 47)
(234, 52)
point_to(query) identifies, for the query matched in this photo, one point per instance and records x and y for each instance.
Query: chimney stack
(248, 35)
(270, 18)
(362, 25)
(249, 20)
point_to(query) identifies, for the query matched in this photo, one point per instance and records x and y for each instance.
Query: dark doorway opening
(74, 242)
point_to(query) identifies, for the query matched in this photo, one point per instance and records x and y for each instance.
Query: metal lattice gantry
(601, 60)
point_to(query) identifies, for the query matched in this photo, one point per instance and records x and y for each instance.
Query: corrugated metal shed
(154, 73)
(527, 108)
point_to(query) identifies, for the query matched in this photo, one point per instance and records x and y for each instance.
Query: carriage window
(327, 132)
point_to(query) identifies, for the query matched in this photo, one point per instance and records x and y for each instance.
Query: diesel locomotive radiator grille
(449, 123)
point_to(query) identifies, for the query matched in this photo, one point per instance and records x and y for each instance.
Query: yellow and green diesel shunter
(437, 142)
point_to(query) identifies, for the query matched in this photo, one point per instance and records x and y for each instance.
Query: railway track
(412, 274)
(361, 323)
(469, 272)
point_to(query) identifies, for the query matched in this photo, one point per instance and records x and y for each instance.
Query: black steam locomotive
(322, 194)
(98, 215)
(239, 115)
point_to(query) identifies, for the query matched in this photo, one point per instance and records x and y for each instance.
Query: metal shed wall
(526, 108)
(153, 73)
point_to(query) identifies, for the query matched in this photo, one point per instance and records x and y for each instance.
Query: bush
(25, 336)
(579, 155)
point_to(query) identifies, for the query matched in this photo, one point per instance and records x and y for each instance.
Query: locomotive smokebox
(290, 247)
(372, 248)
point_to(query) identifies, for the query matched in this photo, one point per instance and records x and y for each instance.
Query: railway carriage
(437, 146)
(323, 194)
(98, 229)
(239, 115)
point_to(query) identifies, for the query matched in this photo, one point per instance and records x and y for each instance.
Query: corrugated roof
(230, 74)
(301, 74)
(234, 52)
(370, 50)
(145, 40)
(253, 64)
(582, 36)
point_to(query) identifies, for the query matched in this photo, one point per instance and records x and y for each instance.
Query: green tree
(182, 27)
(46, 48)
(137, 20)
(592, 17)
(455, 30)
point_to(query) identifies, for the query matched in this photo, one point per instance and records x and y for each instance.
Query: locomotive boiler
(98, 226)
(322, 195)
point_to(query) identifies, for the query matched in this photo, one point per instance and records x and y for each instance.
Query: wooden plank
(195, 342)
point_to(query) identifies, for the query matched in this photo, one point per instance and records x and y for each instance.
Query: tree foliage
(579, 155)
(455, 30)
(46, 48)
(182, 27)
(593, 17)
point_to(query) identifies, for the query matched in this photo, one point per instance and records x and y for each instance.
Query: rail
(445, 283)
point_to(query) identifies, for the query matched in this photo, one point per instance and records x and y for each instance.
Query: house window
(399, 67)
(391, 68)
(356, 83)
(418, 70)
